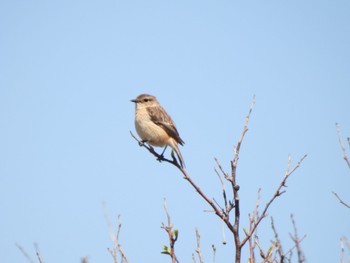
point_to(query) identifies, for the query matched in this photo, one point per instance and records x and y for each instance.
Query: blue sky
(68, 72)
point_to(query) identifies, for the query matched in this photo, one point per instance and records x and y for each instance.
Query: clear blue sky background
(68, 70)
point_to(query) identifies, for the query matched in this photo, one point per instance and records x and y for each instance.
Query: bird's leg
(161, 156)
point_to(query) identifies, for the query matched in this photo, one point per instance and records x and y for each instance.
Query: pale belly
(150, 132)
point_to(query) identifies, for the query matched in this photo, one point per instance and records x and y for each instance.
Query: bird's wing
(160, 117)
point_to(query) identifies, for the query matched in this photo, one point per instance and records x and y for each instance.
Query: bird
(155, 126)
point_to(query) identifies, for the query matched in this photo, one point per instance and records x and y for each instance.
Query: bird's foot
(160, 157)
(142, 143)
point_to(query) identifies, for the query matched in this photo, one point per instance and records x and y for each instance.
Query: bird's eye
(145, 100)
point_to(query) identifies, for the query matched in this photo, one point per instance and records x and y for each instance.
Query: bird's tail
(178, 153)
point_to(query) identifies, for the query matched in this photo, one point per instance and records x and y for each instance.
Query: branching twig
(25, 254)
(341, 200)
(235, 186)
(252, 219)
(38, 254)
(173, 235)
(227, 208)
(198, 249)
(188, 178)
(223, 213)
(117, 248)
(345, 156)
(296, 240)
(278, 243)
(340, 138)
(344, 242)
(278, 192)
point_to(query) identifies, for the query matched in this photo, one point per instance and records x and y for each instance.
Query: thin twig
(295, 238)
(277, 194)
(341, 200)
(292, 248)
(252, 219)
(167, 212)
(261, 251)
(193, 258)
(38, 254)
(173, 235)
(189, 179)
(117, 248)
(235, 186)
(345, 156)
(224, 241)
(198, 249)
(340, 138)
(223, 191)
(342, 250)
(25, 254)
(214, 252)
(277, 241)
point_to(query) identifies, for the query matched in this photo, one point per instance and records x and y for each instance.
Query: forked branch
(234, 204)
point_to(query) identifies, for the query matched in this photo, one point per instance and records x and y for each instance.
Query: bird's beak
(133, 101)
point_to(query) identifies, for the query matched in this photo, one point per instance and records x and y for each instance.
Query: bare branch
(173, 235)
(224, 213)
(189, 179)
(223, 189)
(167, 212)
(117, 248)
(252, 219)
(341, 200)
(224, 241)
(345, 158)
(193, 258)
(214, 252)
(340, 138)
(235, 186)
(342, 250)
(277, 194)
(198, 249)
(38, 254)
(25, 254)
(295, 238)
(277, 241)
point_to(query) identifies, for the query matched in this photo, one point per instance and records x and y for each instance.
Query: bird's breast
(149, 131)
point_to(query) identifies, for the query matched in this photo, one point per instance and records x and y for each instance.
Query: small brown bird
(154, 125)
